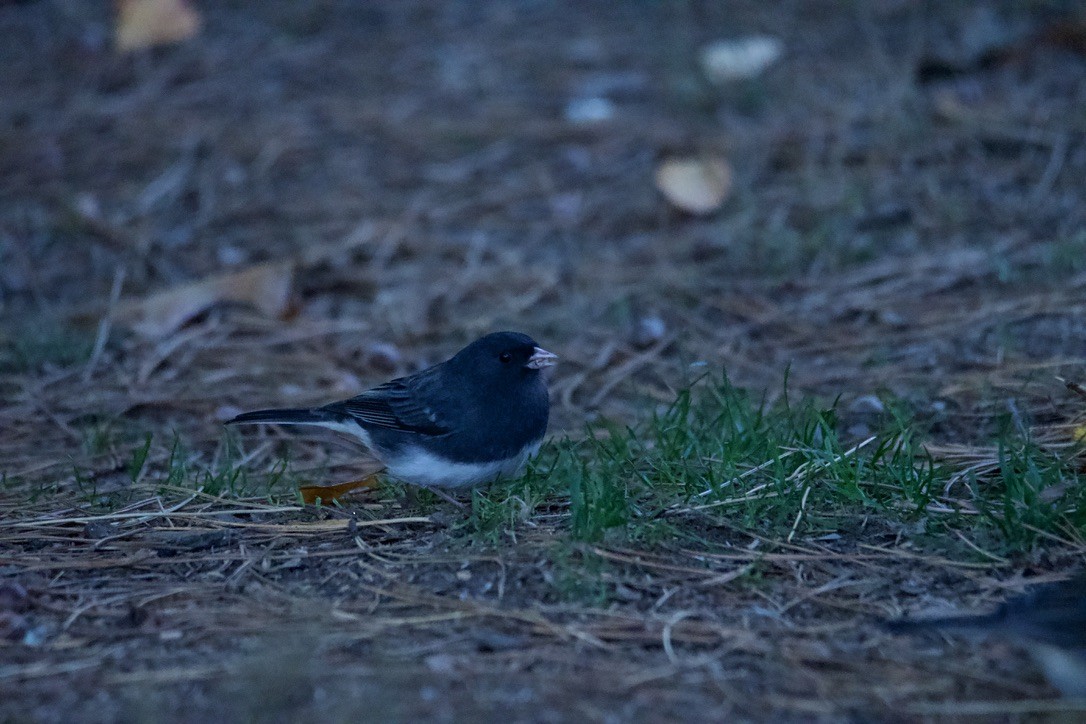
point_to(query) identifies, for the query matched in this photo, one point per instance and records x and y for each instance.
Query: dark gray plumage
(477, 416)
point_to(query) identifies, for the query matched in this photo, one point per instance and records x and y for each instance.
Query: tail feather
(318, 417)
(288, 417)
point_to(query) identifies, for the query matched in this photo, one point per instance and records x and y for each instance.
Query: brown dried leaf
(695, 185)
(264, 286)
(145, 23)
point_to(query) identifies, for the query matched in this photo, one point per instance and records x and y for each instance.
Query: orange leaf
(328, 493)
(144, 23)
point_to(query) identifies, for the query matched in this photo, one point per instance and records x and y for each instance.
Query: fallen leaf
(328, 493)
(264, 286)
(725, 61)
(695, 185)
(145, 23)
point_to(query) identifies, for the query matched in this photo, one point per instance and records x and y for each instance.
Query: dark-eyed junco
(1049, 622)
(466, 421)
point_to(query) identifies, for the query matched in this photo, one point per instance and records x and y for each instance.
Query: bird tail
(323, 418)
(318, 417)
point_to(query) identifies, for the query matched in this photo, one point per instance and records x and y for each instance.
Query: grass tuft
(1038, 493)
(788, 469)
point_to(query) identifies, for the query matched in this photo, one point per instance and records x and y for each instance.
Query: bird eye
(505, 357)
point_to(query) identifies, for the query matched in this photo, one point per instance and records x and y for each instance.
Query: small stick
(105, 325)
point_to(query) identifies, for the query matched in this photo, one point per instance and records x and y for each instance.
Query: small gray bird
(1049, 622)
(477, 416)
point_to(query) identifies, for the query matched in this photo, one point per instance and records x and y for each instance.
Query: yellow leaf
(1079, 434)
(695, 185)
(328, 493)
(144, 23)
(264, 286)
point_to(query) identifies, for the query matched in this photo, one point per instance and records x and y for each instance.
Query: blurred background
(808, 184)
(213, 206)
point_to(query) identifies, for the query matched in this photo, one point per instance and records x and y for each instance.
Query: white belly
(424, 469)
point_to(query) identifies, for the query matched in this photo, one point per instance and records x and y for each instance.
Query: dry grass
(922, 242)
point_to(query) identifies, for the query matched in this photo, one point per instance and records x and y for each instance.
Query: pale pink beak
(541, 358)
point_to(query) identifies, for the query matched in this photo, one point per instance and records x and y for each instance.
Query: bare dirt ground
(907, 218)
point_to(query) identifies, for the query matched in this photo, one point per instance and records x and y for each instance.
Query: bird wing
(406, 404)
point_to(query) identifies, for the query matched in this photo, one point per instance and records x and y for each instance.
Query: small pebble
(440, 663)
(231, 255)
(586, 111)
(647, 331)
(87, 206)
